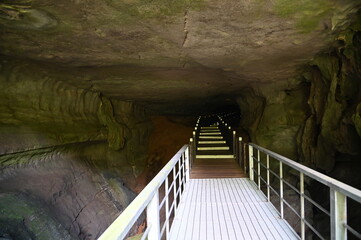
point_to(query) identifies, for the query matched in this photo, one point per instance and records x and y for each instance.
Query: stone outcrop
(79, 198)
(69, 156)
(313, 118)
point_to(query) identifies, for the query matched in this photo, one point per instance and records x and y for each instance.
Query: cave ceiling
(163, 52)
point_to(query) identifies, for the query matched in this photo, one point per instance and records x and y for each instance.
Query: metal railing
(230, 135)
(339, 192)
(174, 175)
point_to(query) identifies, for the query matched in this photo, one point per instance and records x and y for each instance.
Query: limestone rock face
(334, 96)
(71, 153)
(27, 219)
(313, 118)
(357, 119)
(74, 200)
(202, 49)
(251, 109)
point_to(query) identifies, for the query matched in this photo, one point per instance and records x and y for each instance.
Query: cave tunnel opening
(88, 115)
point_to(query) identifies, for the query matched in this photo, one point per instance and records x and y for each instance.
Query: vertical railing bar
(174, 191)
(240, 152)
(187, 164)
(181, 161)
(230, 137)
(153, 217)
(268, 180)
(302, 207)
(281, 189)
(250, 159)
(167, 208)
(184, 167)
(244, 156)
(179, 176)
(234, 141)
(259, 169)
(191, 154)
(338, 210)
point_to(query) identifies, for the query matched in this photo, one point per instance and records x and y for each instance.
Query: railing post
(281, 189)
(187, 169)
(175, 191)
(338, 211)
(179, 175)
(167, 208)
(268, 179)
(191, 153)
(250, 155)
(234, 144)
(244, 157)
(240, 152)
(183, 165)
(195, 142)
(229, 135)
(153, 217)
(259, 169)
(302, 207)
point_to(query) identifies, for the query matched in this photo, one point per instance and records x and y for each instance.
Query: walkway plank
(227, 209)
(216, 168)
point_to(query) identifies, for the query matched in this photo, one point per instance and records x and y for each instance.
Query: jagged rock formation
(60, 146)
(314, 118)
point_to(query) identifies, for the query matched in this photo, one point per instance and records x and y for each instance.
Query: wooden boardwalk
(227, 208)
(216, 168)
(214, 158)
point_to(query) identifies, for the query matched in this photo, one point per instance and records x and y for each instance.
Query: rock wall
(314, 118)
(69, 157)
(78, 199)
(330, 133)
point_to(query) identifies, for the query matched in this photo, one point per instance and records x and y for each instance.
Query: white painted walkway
(227, 208)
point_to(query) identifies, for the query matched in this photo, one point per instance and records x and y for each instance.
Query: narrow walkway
(214, 158)
(222, 209)
(216, 168)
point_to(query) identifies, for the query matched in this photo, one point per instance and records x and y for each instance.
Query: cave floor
(227, 208)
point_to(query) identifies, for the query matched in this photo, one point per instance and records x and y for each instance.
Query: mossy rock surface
(23, 218)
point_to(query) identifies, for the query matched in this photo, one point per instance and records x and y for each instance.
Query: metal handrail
(347, 190)
(339, 191)
(230, 135)
(148, 199)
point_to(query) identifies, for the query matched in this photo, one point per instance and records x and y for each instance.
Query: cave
(97, 96)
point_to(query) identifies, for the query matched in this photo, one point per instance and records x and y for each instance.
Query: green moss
(328, 65)
(357, 119)
(157, 8)
(115, 130)
(307, 25)
(307, 13)
(287, 8)
(26, 18)
(25, 218)
(136, 237)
